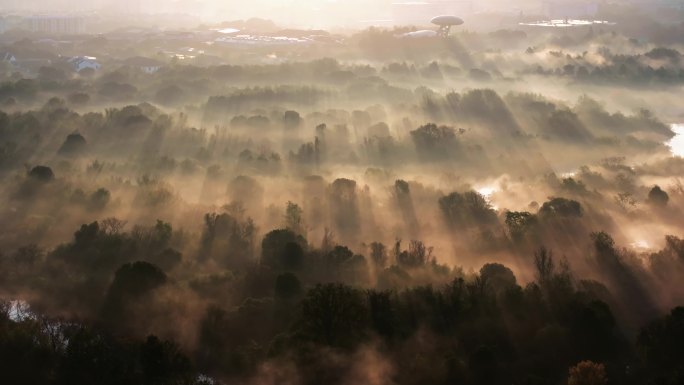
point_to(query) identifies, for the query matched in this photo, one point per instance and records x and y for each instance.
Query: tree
(561, 207)
(293, 218)
(545, 266)
(136, 279)
(467, 209)
(291, 120)
(328, 240)
(291, 257)
(378, 253)
(287, 286)
(247, 190)
(227, 239)
(519, 223)
(338, 255)
(99, 199)
(112, 226)
(170, 95)
(163, 363)
(658, 197)
(382, 313)
(132, 282)
(86, 234)
(402, 194)
(282, 248)
(161, 234)
(333, 314)
(588, 373)
(483, 363)
(74, 144)
(565, 125)
(675, 246)
(167, 259)
(434, 142)
(603, 242)
(26, 356)
(28, 255)
(51, 74)
(664, 53)
(42, 174)
(417, 255)
(380, 130)
(497, 277)
(661, 348)
(574, 186)
(624, 277)
(344, 207)
(79, 98)
(96, 358)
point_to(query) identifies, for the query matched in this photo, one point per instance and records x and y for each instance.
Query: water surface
(676, 144)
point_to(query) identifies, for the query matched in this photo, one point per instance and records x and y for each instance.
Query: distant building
(7, 57)
(145, 64)
(82, 62)
(570, 9)
(61, 25)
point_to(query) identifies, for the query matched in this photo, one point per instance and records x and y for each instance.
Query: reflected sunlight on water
(677, 142)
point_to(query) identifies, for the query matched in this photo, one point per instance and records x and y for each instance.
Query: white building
(145, 64)
(7, 57)
(82, 62)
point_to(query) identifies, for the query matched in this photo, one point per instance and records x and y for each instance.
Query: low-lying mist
(487, 208)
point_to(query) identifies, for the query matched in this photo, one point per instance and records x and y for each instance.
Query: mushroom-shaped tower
(445, 22)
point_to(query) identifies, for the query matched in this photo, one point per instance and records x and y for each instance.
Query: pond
(564, 23)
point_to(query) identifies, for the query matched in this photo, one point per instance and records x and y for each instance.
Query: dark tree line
(299, 306)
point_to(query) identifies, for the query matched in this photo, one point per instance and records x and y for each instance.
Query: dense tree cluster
(299, 306)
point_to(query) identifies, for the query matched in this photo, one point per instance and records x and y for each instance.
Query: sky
(307, 11)
(300, 13)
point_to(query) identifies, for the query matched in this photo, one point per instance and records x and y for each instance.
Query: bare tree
(112, 226)
(588, 373)
(543, 262)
